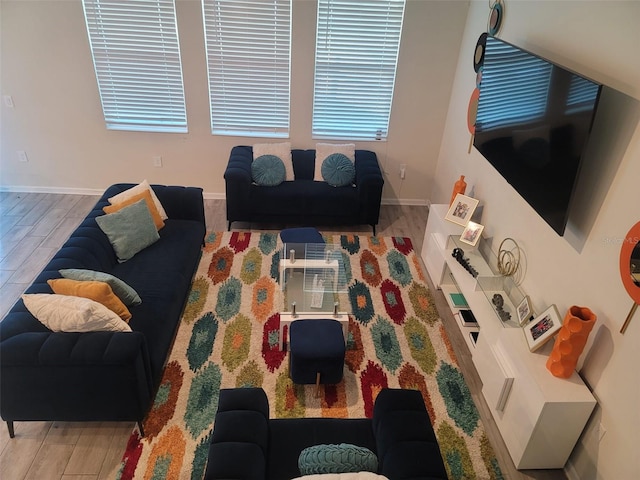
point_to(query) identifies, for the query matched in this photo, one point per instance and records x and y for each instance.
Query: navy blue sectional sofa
(247, 444)
(303, 201)
(104, 376)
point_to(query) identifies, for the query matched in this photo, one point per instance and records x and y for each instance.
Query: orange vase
(571, 339)
(459, 187)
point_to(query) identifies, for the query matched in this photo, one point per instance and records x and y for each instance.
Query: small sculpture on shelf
(458, 254)
(498, 302)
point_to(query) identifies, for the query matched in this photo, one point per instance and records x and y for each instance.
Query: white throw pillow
(323, 150)
(280, 150)
(140, 188)
(64, 313)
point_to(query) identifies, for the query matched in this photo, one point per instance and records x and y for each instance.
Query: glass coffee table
(313, 285)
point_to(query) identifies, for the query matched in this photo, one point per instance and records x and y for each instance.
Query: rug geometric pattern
(228, 337)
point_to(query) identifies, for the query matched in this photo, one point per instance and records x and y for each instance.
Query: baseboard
(405, 201)
(63, 190)
(205, 195)
(213, 196)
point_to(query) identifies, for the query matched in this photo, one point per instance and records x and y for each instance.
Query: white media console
(540, 417)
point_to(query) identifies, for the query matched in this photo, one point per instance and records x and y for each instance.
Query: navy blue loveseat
(303, 201)
(246, 444)
(104, 376)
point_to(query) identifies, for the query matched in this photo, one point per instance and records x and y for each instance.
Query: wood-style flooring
(33, 226)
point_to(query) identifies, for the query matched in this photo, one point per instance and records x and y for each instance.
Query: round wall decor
(478, 56)
(496, 15)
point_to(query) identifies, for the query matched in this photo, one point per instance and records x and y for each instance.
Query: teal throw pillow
(268, 170)
(338, 170)
(130, 229)
(336, 458)
(122, 290)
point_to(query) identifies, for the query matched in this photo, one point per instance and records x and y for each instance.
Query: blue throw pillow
(336, 458)
(338, 170)
(123, 291)
(268, 170)
(130, 229)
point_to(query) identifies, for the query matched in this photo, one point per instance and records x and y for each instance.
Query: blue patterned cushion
(336, 458)
(338, 170)
(268, 170)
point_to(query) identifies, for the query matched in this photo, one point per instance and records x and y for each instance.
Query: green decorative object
(336, 458)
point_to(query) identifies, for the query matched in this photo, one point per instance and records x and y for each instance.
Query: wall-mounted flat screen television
(533, 123)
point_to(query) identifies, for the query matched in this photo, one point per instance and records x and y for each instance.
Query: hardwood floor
(33, 226)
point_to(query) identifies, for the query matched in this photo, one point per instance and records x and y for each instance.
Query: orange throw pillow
(146, 195)
(97, 291)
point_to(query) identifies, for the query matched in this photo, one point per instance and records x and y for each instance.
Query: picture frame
(524, 311)
(542, 328)
(471, 233)
(461, 209)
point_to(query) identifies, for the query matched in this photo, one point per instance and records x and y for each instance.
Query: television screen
(532, 124)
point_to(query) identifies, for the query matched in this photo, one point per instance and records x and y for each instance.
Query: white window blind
(248, 58)
(136, 57)
(514, 87)
(357, 47)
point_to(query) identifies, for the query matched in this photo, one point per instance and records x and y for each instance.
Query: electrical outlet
(157, 161)
(403, 170)
(22, 156)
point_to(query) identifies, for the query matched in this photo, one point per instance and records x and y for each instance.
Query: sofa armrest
(369, 182)
(237, 178)
(181, 203)
(405, 441)
(240, 440)
(71, 376)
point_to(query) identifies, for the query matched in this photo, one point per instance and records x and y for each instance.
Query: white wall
(600, 40)
(57, 119)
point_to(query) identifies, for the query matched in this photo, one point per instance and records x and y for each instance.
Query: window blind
(517, 84)
(136, 57)
(357, 45)
(248, 59)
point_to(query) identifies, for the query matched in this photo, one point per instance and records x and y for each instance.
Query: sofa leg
(141, 428)
(229, 226)
(374, 229)
(317, 384)
(10, 428)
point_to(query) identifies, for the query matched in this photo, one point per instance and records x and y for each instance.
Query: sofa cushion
(130, 230)
(99, 292)
(135, 190)
(146, 196)
(268, 171)
(63, 313)
(336, 458)
(338, 170)
(280, 150)
(124, 292)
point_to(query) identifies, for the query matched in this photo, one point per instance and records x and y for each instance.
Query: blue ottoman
(301, 235)
(316, 352)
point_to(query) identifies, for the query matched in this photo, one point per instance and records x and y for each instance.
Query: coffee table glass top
(312, 279)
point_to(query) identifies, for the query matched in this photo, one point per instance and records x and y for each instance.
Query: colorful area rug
(228, 337)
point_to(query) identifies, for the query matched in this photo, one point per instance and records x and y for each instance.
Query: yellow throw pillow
(146, 196)
(98, 291)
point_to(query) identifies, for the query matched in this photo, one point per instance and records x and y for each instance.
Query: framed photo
(540, 330)
(471, 233)
(524, 311)
(461, 209)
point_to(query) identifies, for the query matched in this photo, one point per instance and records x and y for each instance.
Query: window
(357, 46)
(248, 58)
(136, 57)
